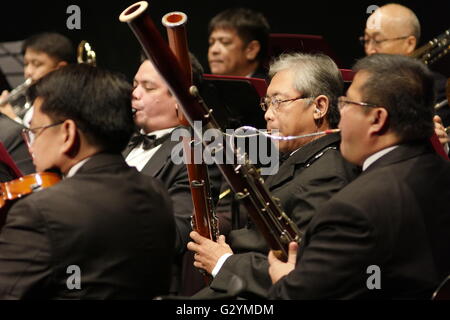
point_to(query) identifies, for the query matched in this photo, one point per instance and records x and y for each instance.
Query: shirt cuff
(220, 263)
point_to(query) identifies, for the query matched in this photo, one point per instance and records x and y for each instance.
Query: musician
(395, 29)
(105, 222)
(238, 43)
(150, 151)
(301, 98)
(391, 222)
(43, 53)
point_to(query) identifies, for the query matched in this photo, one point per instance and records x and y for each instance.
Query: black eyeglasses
(342, 102)
(365, 41)
(267, 102)
(30, 134)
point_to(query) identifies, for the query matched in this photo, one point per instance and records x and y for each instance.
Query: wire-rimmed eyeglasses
(267, 102)
(365, 41)
(342, 102)
(30, 134)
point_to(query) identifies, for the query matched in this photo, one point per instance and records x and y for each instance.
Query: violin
(23, 186)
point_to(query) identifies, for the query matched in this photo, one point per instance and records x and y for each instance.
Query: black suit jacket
(303, 184)
(10, 136)
(112, 222)
(394, 216)
(175, 178)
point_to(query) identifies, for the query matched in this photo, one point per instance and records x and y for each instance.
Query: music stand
(235, 100)
(286, 42)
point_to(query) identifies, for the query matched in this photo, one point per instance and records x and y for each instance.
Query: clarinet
(265, 211)
(204, 220)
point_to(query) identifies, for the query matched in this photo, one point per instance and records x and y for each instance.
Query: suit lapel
(300, 158)
(127, 151)
(159, 159)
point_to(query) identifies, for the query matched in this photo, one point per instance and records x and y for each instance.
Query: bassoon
(434, 49)
(204, 220)
(273, 223)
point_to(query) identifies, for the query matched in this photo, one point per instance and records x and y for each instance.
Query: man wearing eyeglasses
(301, 99)
(385, 235)
(391, 29)
(105, 231)
(395, 29)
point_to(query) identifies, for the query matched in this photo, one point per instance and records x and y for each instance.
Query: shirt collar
(377, 155)
(76, 167)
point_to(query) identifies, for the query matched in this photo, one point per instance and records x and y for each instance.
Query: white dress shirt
(76, 167)
(139, 157)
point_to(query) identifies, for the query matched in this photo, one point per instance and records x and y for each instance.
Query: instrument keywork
(274, 224)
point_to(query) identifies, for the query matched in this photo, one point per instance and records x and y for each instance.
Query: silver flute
(17, 92)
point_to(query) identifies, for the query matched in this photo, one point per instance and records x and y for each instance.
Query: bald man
(395, 29)
(391, 29)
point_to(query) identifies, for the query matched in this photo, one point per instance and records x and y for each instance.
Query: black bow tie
(148, 141)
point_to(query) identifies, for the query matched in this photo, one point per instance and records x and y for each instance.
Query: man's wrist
(220, 263)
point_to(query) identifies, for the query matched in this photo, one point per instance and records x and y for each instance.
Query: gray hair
(314, 75)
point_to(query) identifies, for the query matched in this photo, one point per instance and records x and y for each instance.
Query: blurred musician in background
(43, 53)
(395, 29)
(238, 43)
(106, 220)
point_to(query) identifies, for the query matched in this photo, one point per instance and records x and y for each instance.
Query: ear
(61, 64)
(252, 50)
(378, 121)
(321, 107)
(70, 138)
(411, 43)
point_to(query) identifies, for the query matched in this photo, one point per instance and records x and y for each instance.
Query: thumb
(292, 254)
(437, 119)
(221, 239)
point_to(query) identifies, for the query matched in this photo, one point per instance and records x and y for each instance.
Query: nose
(370, 48)
(137, 93)
(214, 48)
(28, 71)
(269, 115)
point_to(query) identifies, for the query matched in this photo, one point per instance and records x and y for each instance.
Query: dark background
(339, 22)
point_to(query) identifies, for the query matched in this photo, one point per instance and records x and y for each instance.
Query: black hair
(54, 44)
(405, 88)
(249, 24)
(99, 101)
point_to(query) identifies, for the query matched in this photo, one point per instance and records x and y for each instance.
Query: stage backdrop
(340, 22)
